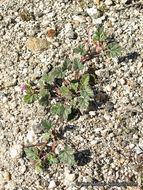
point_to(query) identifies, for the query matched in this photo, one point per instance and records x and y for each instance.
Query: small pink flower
(23, 88)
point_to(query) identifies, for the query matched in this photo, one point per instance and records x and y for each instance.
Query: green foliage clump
(70, 95)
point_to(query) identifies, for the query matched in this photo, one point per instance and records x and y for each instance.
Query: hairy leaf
(39, 168)
(44, 100)
(83, 103)
(47, 125)
(32, 153)
(85, 79)
(47, 78)
(86, 92)
(77, 65)
(57, 109)
(52, 159)
(80, 50)
(115, 49)
(43, 92)
(30, 98)
(67, 111)
(41, 83)
(67, 156)
(66, 65)
(59, 73)
(65, 91)
(100, 35)
(74, 86)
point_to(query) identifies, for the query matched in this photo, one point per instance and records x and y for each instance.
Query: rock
(108, 2)
(79, 18)
(37, 44)
(7, 176)
(93, 12)
(68, 178)
(16, 151)
(52, 184)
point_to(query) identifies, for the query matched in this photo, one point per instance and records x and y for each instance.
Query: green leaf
(74, 86)
(85, 79)
(67, 156)
(67, 111)
(77, 65)
(39, 168)
(86, 92)
(59, 73)
(66, 93)
(115, 49)
(43, 92)
(46, 137)
(32, 153)
(66, 65)
(100, 35)
(47, 125)
(83, 103)
(57, 109)
(44, 100)
(61, 110)
(30, 98)
(73, 103)
(80, 50)
(41, 83)
(47, 78)
(52, 159)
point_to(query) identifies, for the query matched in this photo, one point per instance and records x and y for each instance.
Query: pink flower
(23, 87)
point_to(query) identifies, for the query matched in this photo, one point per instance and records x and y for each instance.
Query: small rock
(108, 2)
(37, 44)
(7, 176)
(52, 184)
(16, 151)
(68, 178)
(106, 116)
(79, 18)
(37, 128)
(109, 106)
(93, 12)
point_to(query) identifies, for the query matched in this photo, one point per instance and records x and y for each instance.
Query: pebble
(52, 184)
(37, 44)
(108, 2)
(16, 151)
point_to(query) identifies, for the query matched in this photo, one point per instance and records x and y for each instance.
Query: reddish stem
(54, 144)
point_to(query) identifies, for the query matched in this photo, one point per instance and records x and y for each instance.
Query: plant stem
(38, 144)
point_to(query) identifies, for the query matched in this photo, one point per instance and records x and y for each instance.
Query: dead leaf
(51, 33)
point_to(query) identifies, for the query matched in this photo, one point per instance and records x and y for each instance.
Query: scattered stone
(52, 184)
(108, 2)
(37, 44)
(7, 176)
(16, 151)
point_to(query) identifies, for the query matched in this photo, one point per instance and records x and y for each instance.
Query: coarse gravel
(107, 140)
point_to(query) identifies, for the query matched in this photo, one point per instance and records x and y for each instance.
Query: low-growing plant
(71, 95)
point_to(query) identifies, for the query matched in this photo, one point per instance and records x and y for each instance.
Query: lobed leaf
(74, 86)
(32, 153)
(77, 65)
(66, 93)
(85, 79)
(67, 156)
(30, 98)
(86, 92)
(43, 92)
(59, 73)
(66, 65)
(47, 78)
(83, 103)
(52, 159)
(115, 49)
(44, 101)
(100, 35)
(80, 50)
(47, 125)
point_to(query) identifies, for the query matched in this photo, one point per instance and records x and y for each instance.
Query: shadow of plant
(130, 56)
(83, 157)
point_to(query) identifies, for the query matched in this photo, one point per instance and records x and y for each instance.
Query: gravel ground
(107, 141)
